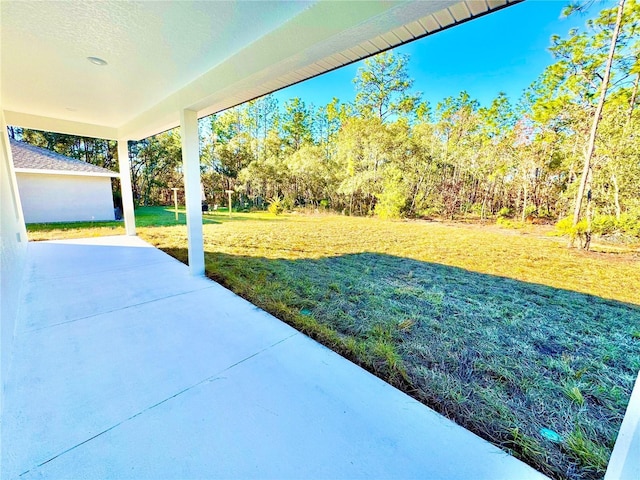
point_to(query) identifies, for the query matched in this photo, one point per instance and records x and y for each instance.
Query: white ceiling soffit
(205, 56)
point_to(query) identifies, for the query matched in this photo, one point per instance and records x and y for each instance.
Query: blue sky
(504, 51)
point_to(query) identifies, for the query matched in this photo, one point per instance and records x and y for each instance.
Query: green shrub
(544, 212)
(504, 222)
(531, 211)
(565, 227)
(505, 212)
(430, 212)
(275, 206)
(288, 204)
(390, 204)
(604, 225)
(629, 223)
(476, 209)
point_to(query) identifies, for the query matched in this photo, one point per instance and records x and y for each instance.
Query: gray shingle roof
(31, 157)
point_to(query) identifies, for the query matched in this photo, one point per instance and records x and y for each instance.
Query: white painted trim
(66, 172)
(192, 189)
(128, 211)
(275, 61)
(47, 124)
(624, 463)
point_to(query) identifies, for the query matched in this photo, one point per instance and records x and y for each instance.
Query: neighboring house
(56, 188)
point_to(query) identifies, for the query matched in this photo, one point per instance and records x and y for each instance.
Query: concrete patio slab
(170, 376)
(111, 289)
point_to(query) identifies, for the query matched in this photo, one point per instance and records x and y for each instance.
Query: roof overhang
(164, 57)
(40, 171)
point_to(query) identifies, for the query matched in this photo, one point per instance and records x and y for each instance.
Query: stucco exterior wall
(65, 198)
(13, 254)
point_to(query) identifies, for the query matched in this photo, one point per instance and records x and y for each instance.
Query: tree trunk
(596, 119)
(86, 150)
(616, 195)
(485, 197)
(524, 202)
(589, 212)
(416, 192)
(634, 96)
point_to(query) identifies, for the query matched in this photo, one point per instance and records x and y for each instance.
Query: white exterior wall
(13, 242)
(65, 198)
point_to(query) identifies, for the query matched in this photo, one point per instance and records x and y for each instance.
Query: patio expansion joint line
(117, 309)
(209, 379)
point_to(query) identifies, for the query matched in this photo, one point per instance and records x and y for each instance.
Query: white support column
(624, 463)
(125, 187)
(192, 189)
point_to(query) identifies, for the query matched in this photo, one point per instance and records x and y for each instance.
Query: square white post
(192, 189)
(125, 187)
(624, 463)
(175, 201)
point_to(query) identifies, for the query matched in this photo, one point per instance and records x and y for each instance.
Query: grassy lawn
(145, 217)
(507, 333)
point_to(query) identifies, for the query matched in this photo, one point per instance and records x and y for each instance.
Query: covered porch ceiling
(205, 56)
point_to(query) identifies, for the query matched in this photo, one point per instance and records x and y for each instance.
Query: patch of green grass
(528, 446)
(574, 394)
(504, 332)
(61, 230)
(145, 217)
(591, 456)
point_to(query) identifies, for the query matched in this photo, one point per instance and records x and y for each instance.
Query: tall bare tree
(588, 155)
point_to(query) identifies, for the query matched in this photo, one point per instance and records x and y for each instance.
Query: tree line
(392, 154)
